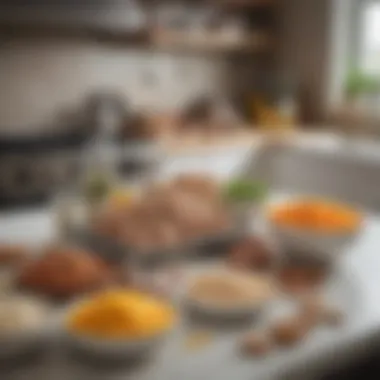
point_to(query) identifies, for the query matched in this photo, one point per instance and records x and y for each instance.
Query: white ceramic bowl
(16, 342)
(209, 310)
(22, 342)
(114, 349)
(306, 244)
(232, 310)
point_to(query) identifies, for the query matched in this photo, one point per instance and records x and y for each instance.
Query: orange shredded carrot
(318, 215)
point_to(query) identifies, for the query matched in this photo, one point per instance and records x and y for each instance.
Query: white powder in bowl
(21, 314)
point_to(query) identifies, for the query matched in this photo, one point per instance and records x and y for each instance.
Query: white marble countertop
(356, 284)
(359, 269)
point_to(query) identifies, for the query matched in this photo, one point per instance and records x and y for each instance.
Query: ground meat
(167, 215)
(201, 185)
(65, 272)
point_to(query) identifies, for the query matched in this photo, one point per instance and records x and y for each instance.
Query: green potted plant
(359, 84)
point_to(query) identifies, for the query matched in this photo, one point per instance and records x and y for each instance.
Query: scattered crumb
(256, 344)
(287, 332)
(197, 340)
(315, 311)
(298, 278)
(332, 316)
(312, 306)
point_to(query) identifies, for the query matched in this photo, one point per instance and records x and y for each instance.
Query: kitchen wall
(305, 51)
(40, 77)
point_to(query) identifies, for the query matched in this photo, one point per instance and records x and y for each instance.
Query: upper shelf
(244, 3)
(210, 42)
(114, 25)
(206, 42)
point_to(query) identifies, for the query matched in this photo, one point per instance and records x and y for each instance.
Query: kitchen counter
(356, 282)
(194, 143)
(308, 163)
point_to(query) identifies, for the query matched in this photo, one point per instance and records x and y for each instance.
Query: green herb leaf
(241, 190)
(97, 188)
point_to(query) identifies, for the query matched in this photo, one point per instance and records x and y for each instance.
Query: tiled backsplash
(42, 77)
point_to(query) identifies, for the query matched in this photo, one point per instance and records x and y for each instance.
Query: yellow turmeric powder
(317, 215)
(118, 314)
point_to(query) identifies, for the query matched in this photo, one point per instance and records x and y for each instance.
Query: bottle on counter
(275, 108)
(98, 175)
